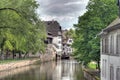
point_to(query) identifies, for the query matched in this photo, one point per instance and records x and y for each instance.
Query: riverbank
(17, 64)
(90, 74)
(12, 64)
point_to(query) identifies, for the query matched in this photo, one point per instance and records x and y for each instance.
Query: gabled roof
(116, 21)
(53, 27)
(114, 25)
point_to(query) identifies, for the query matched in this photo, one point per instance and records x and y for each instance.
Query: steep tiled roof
(116, 21)
(53, 27)
(114, 25)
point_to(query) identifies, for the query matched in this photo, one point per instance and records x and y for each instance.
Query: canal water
(61, 70)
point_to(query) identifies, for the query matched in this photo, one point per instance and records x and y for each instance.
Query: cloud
(66, 12)
(75, 3)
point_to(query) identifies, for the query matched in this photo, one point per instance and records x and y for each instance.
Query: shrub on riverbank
(92, 65)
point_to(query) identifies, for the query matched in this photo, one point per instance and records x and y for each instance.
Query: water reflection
(61, 70)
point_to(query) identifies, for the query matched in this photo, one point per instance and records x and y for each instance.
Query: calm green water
(61, 70)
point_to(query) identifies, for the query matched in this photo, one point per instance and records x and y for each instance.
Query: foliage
(70, 33)
(100, 13)
(20, 28)
(92, 65)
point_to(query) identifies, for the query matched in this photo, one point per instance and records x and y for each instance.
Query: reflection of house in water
(110, 51)
(47, 70)
(57, 71)
(65, 70)
(11, 72)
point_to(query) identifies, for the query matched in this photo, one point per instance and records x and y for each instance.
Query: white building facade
(57, 41)
(110, 51)
(67, 47)
(56, 32)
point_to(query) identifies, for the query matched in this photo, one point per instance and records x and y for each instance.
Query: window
(69, 49)
(118, 74)
(70, 40)
(106, 45)
(60, 47)
(59, 37)
(59, 33)
(111, 73)
(48, 23)
(103, 68)
(102, 46)
(118, 44)
(111, 44)
(59, 42)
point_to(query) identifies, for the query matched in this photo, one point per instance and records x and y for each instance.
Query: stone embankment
(22, 63)
(48, 56)
(91, 74)
(17, 64)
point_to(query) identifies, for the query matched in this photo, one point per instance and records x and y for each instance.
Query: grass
(8, 61)
(92, 65)
(12, 60)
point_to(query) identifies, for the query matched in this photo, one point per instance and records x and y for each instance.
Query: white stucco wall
(58, 41)
(68, 42)
(67, 47)
(110, 59)
(105, 66)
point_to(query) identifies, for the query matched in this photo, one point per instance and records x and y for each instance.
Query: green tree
(70, 33)
(99, 15)
(20, 28)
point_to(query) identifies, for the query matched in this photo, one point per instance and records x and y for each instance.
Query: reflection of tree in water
(38, 72)
(71, 70)
(78, 72)
(61, 70)
(65, 68)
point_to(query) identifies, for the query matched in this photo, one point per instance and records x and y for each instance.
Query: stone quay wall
(90, 75)
(17, 64)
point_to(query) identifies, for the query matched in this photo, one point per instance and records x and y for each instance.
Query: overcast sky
(66, 12)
